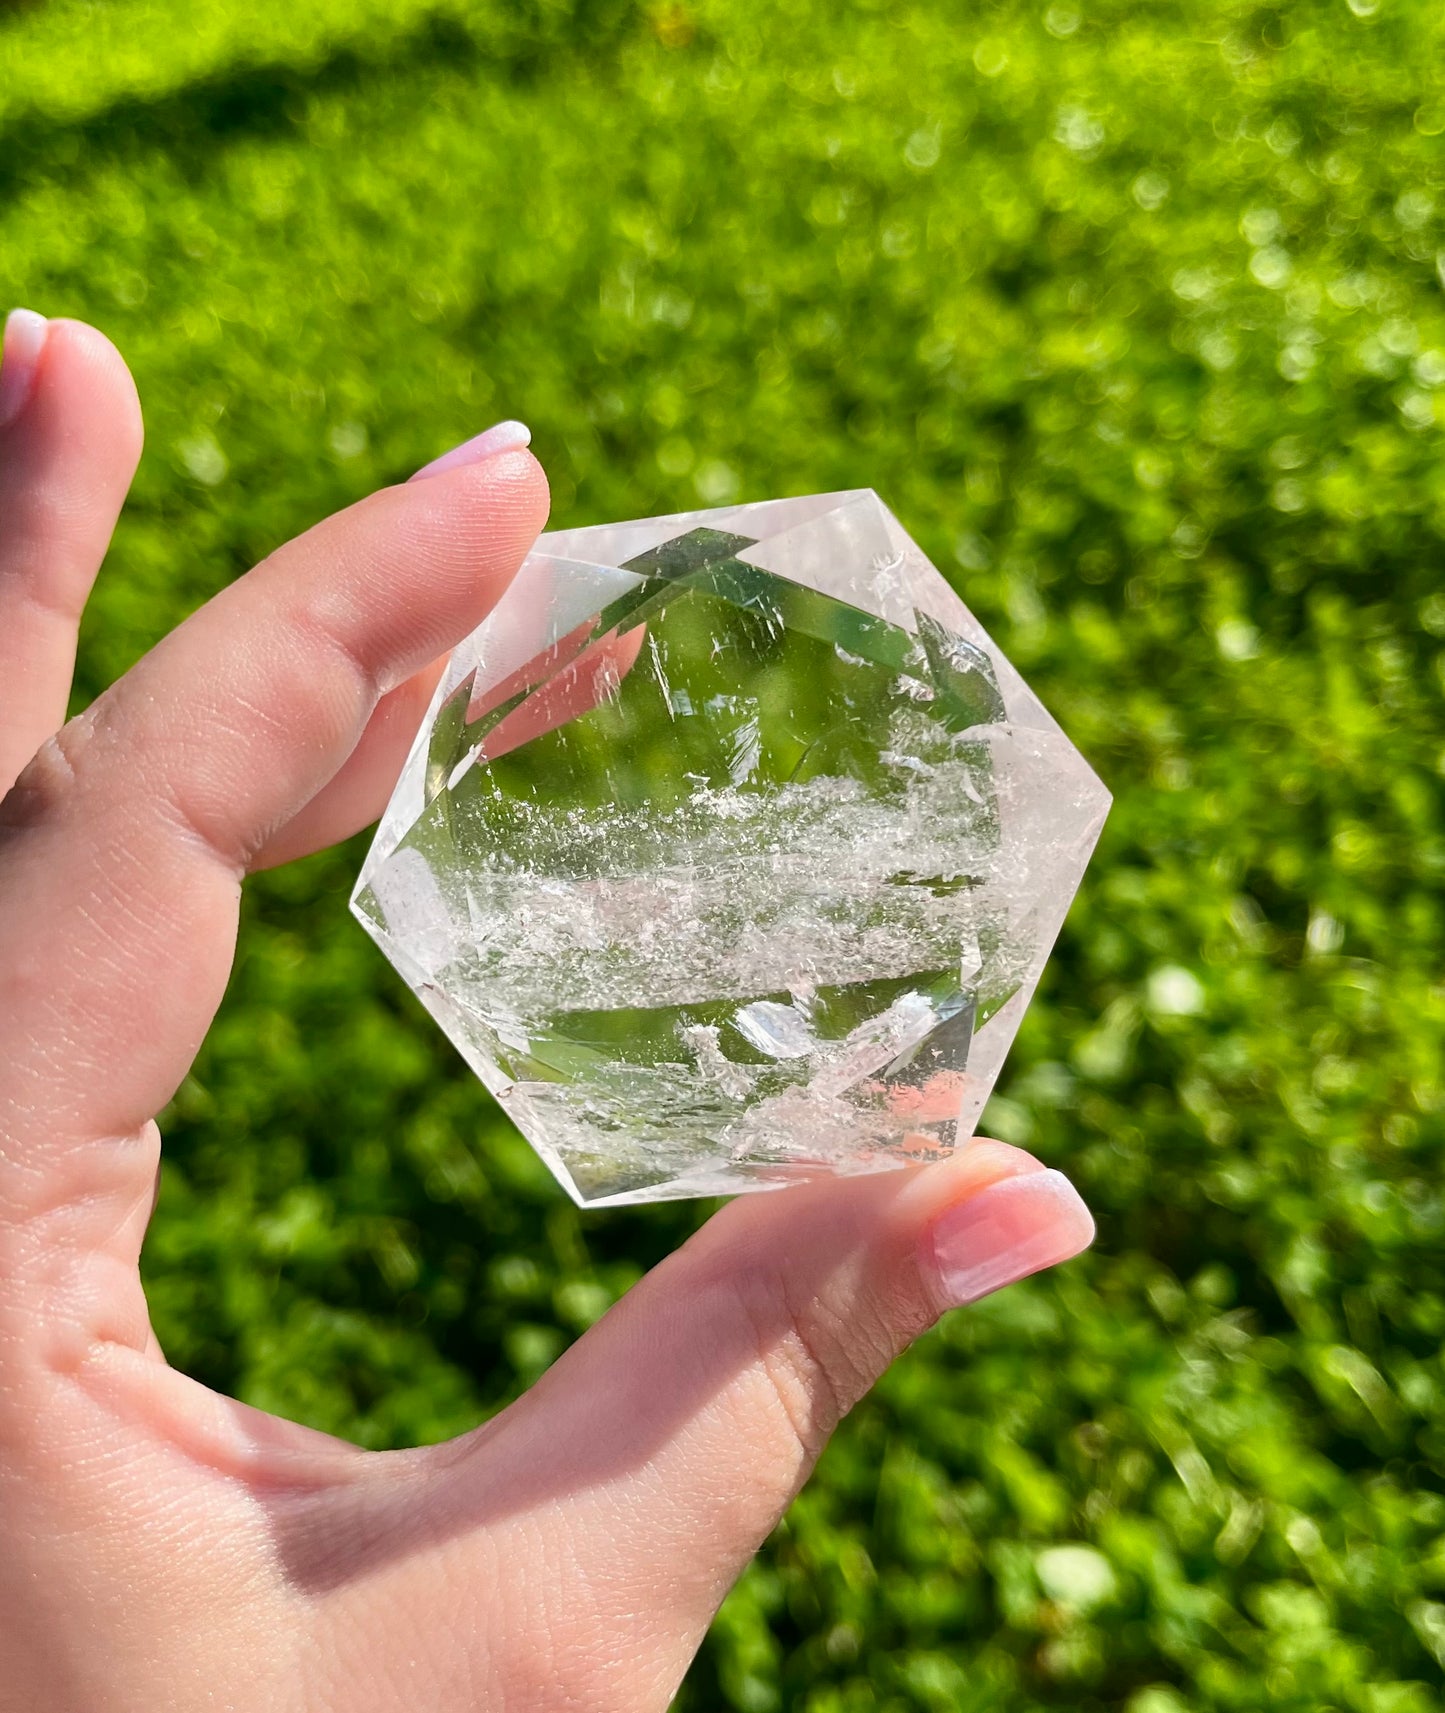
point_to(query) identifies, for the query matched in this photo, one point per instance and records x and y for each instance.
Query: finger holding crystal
(123, 845)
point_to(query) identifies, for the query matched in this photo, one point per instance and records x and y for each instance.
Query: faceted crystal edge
(756, 518)
(449, 1017)
(534, 587)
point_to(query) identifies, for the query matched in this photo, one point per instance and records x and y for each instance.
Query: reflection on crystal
(731, 851)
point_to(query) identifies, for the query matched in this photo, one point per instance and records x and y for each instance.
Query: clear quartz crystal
(730, 851)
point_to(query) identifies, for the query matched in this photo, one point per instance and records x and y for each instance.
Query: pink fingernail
(1004, 1233)
(24, 341)
(500, 437)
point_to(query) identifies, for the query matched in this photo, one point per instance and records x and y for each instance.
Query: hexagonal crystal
(730, 851)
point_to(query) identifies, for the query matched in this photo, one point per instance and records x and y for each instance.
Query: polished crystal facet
(730, 851)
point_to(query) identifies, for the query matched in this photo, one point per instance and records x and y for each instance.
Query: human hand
(166, 1548)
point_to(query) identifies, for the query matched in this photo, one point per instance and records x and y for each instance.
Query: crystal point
(730, 851)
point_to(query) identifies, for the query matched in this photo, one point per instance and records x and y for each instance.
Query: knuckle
(48, 780)
(324, 643)
(818, 1355)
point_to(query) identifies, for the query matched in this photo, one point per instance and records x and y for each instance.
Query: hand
(166, 1548)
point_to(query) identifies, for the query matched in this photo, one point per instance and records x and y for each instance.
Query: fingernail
(24, 341)
(500, 437)
(1004, 1233)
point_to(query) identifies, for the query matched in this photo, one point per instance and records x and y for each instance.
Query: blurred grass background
(1133, 311)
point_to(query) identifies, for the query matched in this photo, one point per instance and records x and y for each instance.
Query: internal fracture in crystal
(730, 851)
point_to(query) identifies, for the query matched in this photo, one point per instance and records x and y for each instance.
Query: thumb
(664, 1446)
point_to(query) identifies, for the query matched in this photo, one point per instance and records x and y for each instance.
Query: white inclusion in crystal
(780, 1031)
(773, 902)
(872, 1044)
(669, 700)
(896, 758)
(733, 1080)
(747, 747)
(410, 896)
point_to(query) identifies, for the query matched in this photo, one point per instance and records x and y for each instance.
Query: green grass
(1134, 313)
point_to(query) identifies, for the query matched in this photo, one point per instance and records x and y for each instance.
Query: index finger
(123, 844)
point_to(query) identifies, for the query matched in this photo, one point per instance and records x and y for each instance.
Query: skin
(166, 1548)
